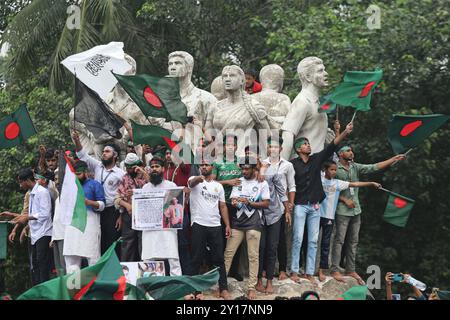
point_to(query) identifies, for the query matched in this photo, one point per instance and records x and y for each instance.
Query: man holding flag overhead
(85, 243)
(109, 175)
(348, 213)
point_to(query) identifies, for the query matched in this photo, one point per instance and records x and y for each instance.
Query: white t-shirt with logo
(254, 191)
(204, 203)
(332, 189)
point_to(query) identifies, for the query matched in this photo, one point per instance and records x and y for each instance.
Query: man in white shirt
(160, 244)
(207, 204)
(250, 197)
(109, 175)
(39, 218)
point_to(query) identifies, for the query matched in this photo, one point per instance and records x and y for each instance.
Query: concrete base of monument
(330, 289)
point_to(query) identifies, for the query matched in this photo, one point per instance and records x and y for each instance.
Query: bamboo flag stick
(354, 115)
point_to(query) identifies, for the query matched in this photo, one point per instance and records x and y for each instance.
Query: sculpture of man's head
(272, 77)
(132, 63)
(181, 64)
(218, 89)
(312, 71)
(233, 78)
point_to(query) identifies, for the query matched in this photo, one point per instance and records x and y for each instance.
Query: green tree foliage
(216, 33)
(49, 111)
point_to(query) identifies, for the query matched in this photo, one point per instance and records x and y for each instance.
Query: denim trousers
(311, 216)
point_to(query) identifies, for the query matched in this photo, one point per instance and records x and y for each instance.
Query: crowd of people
(272, 204)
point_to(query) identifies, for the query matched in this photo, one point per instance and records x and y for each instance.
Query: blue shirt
(93, 190)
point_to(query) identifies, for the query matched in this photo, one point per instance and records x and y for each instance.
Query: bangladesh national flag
(94, 113)
(176, 287)
(398, 209)
(72, 200)
(16, 128)
(3, 243)
(355, 293)
(156, 97)
(155, 135)
(102, 281)
(356, 89)
(406, 132)
(326, 105)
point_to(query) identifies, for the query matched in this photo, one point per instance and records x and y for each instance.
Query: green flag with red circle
(406, 132)
(155, 136)
(398, 209)
(326, 105)
(16, 128)
(156, 97)
(356, 89)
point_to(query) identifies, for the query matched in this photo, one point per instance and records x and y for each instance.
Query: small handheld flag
(16, 128)
(398, 209)
(356, 89)
(406, 132)
(156, 97)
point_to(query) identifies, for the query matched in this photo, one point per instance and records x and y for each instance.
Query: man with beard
(77, 244)
(348, 212)
(207, 202)
(160, 244)
(135, 178)
(109, 175)
(249, 198)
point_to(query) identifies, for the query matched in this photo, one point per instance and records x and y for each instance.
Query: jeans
(268, 249)
(327, 229)
(302, 214)
(347, 236)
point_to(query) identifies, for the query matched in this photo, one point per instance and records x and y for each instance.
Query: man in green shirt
(348, 212)
(228, 172)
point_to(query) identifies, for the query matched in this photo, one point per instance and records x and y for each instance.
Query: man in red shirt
(251, 85)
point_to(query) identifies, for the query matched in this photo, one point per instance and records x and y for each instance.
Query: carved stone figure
(218, 89)
(277, 104)
(304, 120)
(239, 111)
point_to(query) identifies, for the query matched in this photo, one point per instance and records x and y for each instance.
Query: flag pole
(405, 154)
(385, 190)
(337, 112)
(354, 115)
(75, 106)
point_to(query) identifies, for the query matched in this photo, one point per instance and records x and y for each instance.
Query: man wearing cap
(160, 244)
(309, 194)
(39, 218)
(135, 178)
(207, 203)
(77, 244)
(249, 198)
(348, 212)
(109, 175)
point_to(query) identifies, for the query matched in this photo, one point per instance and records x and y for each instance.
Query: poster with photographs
(136, 270)
(158, 209)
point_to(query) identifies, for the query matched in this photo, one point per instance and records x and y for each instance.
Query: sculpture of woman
(238, 111)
